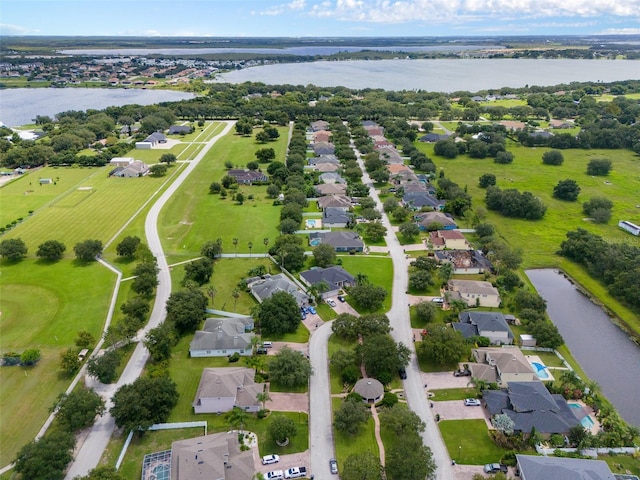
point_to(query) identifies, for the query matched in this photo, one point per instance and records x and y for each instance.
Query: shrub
(552, 157)
(234, 358)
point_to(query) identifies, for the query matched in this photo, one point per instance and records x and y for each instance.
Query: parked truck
(295, 472)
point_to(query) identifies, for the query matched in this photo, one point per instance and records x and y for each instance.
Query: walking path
(376, 423)
(98, 438)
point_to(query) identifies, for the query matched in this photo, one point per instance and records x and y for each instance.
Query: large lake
(602, 349)
(438, 75)
(19, 106)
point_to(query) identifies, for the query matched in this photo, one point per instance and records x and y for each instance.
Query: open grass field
(364, 441)
(38, 310)
(194, 216)
(473, 437)
(379, 270)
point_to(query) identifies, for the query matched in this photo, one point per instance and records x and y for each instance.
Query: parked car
(312, 310)
(303, 316)
(275, 475)
(261, 351)
(403, 373)
(305, 309)
(437, 300)
(462, 373)
(295, 472)
(267, 344)
(341, 298)
(269, 459)
(472, 402)
(333, 465)
(331, 303)
(495, 468)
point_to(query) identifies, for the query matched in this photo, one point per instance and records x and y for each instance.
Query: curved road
(401, 332)
(92, 448)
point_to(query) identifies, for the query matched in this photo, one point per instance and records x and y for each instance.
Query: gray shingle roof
(545, 468)
(486, 321)
(222, 334)
(335, 276)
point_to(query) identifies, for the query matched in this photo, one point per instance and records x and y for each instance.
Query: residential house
(396, 168)
(324, 148)
(247, 177)
(180, 129)
(427, 219)
(217, 455)
(390, 155)
(323, 159)
(513, 125)
(501, 366)
(530, 405)
(560, 124)
(474, 292)
(151, 141)
(331, 177)
(336, 218)
(465, 262)
(450, 239)
(263, 287)
(531, 467)
(327, 167)
(136, 169)
(334, 201)
(222, 337)
(381, 142)
(319, 125)
(331, 189)
(434, 137)
(421, 199)
(322, 136)
(222, 389)
(121, 161)
(484, 324)
(335, 277)
(341, 241)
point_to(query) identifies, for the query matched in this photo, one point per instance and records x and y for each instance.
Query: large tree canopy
(278, 314)
(186, 310)
(289, 368)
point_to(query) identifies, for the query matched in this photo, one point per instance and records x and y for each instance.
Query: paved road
(91, 450)
(401, 332)
(321, 417)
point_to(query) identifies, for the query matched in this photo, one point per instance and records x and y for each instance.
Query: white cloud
(435, 11)
(9, 29)
(294, 5)
(620, 31)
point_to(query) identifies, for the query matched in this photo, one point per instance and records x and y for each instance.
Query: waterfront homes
(222, 389)
(491, 325)
(501, 366)
(474, 292)
(334, 277)
(449, 239)
(464, 262)
(530, 405)
(263, 287)
(222, 337)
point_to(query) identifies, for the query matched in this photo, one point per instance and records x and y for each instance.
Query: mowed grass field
(43, 306)
(194, 217)
(379, 271)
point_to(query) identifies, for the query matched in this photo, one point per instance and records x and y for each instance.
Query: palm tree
(211, 292)
(479, 384)
(250, 245)
(235, 245)
(570, 379)
(263, 398)
(236, 417)
(266, 242)
(362, 278)
(235, 294)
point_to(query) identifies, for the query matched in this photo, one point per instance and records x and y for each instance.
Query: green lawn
(364, 441)
(622, 463)
(447, 394)
(379, 271)
(40, 311)
(468, 442)
(334, 345)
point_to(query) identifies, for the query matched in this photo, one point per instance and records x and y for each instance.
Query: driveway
(277, 346)
(441, 380)
(456, 410)
(288, 402)
(344, 307)
(300, 459)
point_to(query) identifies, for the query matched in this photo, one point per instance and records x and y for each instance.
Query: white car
(275, 475)
(331, 303)
(269, 459)
(472, 402)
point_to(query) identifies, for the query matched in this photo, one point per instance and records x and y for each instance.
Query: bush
(389, 400)
(599, 166)
(234, 358)
(552, 157)
(504, 158)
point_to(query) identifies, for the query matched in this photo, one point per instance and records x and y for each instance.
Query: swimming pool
(587, 422)
(541, 370)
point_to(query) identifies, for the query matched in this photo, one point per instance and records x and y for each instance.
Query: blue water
(541, 370)
(587, 423)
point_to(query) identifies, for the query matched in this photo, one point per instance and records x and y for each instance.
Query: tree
(47, 458)
(69, 360)
(402, 421)
(343, 359)
(240, 198)
(212, 249)
(442, 346)
(409, 230)
(509, 280)
(289, 252)
(368, 296)
(103, 472)
(281, 429)
(136, 307)
(262, 137)
(503, 423)
(168, 158)
(104, 367)
(128, 246)
(237, 417)
(409, 460)
(79, 408)
(215, 187)
(158, 170)
(30, 356)
(265, 155)
(263, 398)
(51, 250)
(382, 357)
(186, 310)
(199, 271)
(375, 231)
(288, 226)
(146, 279)
(324, 255)
(487, 180)
(598, 208)
(547, 334)
(351, 415)
(159, 341)
(420, 280)
(425, 311)
(566, 190)
(362, 466)
(146, 401)
(289, 368)
(13, 249)
(504, 158)
(88, 250)
(599, 166)
(552, 157)
(526, 299)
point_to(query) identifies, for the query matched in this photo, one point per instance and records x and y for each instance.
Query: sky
(318, 18)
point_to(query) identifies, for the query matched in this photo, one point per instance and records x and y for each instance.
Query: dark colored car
(462, 373)
(403, 373)
(341, 298)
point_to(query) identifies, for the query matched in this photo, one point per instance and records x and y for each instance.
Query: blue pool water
(587, 422)
(541, 370)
